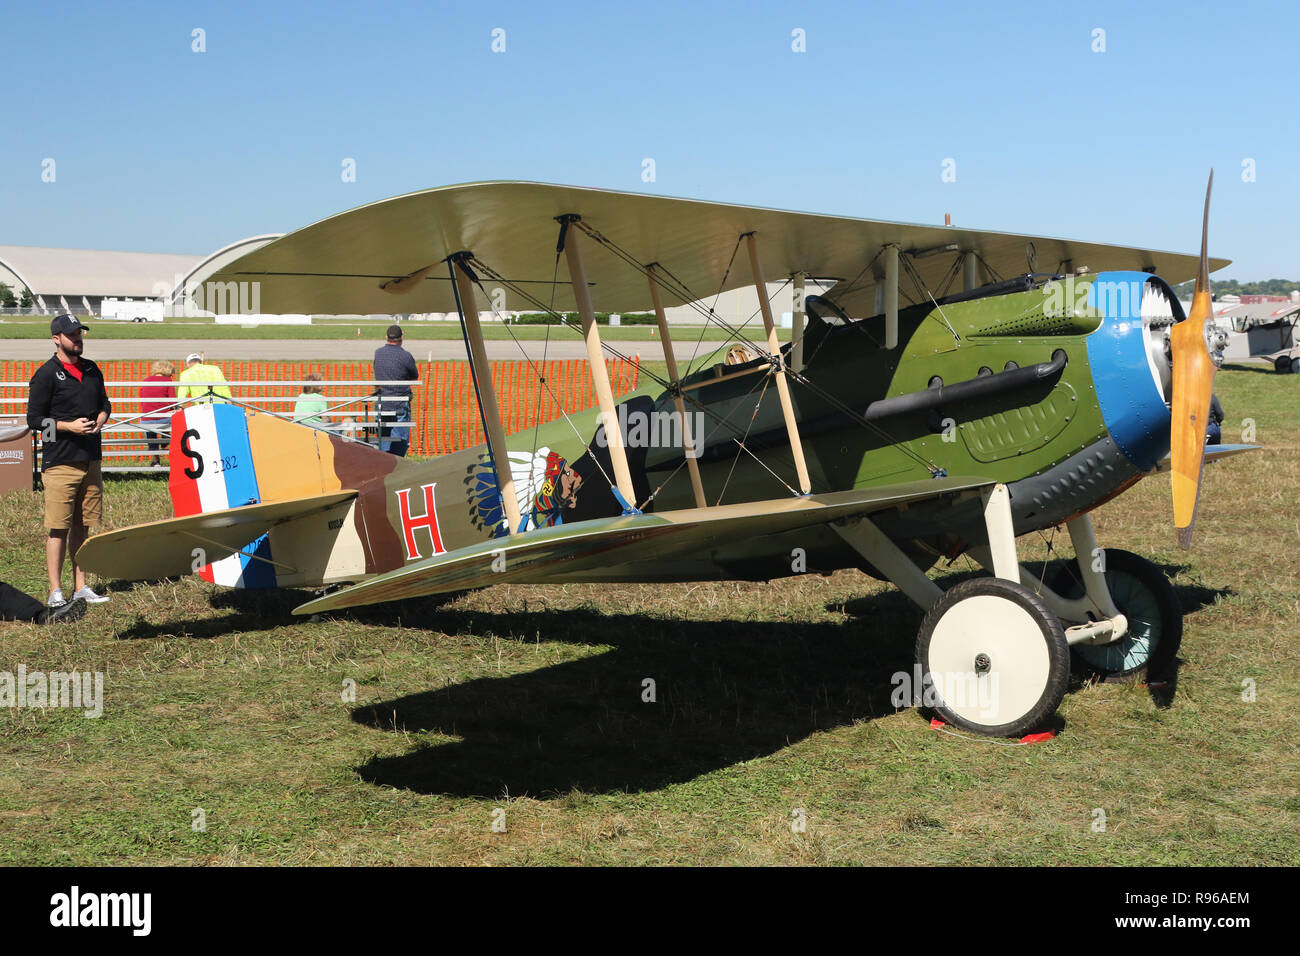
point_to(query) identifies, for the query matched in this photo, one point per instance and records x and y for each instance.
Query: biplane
(941, 397)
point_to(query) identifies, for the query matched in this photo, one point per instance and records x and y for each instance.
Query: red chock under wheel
(936, 723)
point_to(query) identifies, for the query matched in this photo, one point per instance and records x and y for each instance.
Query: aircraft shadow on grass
(726, 692)
(1192, 597)
(250, 611)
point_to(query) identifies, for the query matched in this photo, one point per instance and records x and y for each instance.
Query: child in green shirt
(310, 404)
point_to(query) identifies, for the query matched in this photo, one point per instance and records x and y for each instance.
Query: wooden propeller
(1193, 380)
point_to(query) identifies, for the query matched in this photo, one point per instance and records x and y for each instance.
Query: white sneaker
(89, 596)
(56, 599)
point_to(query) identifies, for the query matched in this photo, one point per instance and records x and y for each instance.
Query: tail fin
(226, 456)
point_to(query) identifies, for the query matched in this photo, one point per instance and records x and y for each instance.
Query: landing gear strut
(995, 653)
(1151, 606)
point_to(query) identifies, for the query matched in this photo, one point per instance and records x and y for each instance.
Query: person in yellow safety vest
(199, 380)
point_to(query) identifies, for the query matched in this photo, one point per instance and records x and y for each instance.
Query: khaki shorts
(74, 495)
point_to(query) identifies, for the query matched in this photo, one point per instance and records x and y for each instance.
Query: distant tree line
(1222, 287)
(9, 301)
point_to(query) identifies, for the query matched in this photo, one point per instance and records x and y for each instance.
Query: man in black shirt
(392, 364)
(68, 405)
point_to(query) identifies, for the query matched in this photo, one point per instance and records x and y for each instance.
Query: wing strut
(688, 442)
(891, 296)
(596, 359)
(796, 321)
(482, 372)
(970, 271)
(778, 359)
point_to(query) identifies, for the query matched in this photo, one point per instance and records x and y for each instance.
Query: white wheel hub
(988, 660)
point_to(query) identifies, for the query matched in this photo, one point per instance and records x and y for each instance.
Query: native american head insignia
(545, 484)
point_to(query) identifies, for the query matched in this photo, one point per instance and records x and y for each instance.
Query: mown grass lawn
(525, 704)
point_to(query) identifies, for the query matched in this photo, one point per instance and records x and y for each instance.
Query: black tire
(1055, 679)
(1282, 364)
(1144, 595)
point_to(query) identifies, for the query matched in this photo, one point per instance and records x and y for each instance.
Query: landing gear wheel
(993, 658)
(1155, 619)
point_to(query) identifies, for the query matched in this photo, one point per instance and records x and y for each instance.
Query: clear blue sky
(161, 149)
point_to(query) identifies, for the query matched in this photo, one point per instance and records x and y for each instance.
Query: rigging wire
(739, 442)
(952, 272)
(711, 316)
(799, 377)
(860, 324)
(997, 276)
(719, 420)
(757, 405)
(690, 365)
(678, 289)
(488, 271)
(540, 376)
(916, 277)
(816, 389)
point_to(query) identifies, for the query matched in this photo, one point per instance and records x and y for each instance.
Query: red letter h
(427, 520)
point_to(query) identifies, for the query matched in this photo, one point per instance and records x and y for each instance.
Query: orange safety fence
(444, 410)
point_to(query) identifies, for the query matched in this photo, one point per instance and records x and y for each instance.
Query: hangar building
(79, 280)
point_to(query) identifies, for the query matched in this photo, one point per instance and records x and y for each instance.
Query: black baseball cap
(394, 331)
(67, 324)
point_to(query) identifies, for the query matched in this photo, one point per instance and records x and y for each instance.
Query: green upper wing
(337, 265)
(548, 554)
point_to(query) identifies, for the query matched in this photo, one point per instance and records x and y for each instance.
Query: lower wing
(548, 554)
(1213, 453)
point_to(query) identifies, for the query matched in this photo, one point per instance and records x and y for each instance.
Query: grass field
(524, 704)
(205, 329)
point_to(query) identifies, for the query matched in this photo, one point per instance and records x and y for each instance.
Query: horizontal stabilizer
(548, 554)
(163, 548)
